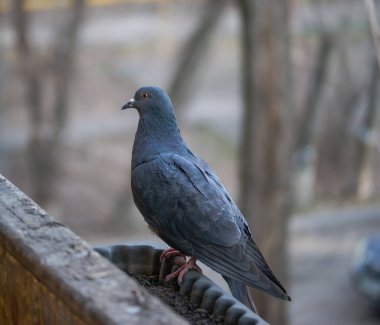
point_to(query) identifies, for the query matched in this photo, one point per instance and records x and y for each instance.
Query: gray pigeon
(186, 205)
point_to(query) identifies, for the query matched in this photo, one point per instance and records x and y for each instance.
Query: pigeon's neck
(156, 135)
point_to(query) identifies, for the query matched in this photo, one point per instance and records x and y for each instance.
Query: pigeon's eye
(145, 95)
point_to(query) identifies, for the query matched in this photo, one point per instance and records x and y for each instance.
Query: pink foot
(169, 253)
(191, 264)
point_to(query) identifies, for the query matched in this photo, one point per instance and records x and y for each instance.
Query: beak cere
(130, 104)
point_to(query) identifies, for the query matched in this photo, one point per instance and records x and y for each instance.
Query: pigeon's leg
(171, 252)
(189, 265)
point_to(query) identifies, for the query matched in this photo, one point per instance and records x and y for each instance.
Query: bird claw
(184, 266)
(183, 269)
(170, 252)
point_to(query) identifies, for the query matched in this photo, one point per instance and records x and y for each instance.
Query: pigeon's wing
(174, 194)
(200, 213)
(205, 207)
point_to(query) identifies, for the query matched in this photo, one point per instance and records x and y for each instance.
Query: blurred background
(280, 97)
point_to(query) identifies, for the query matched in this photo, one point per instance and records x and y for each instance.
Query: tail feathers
(241, 292)
(277, 289)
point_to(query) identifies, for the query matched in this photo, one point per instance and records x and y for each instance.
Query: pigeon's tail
(241, 292)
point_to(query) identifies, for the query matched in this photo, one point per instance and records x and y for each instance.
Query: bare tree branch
(316, 81)
(64, 54)
(28, 65)
(193, 49)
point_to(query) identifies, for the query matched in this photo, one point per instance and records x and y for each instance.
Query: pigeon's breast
(156, 196)
(154, 193)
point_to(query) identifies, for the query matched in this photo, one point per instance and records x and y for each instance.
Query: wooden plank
(48, 275)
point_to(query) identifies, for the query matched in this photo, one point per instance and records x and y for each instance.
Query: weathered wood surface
(48, 275)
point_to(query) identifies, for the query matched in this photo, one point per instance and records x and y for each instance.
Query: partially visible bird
(185, 203)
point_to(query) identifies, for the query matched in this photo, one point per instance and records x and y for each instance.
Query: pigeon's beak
(130, 104)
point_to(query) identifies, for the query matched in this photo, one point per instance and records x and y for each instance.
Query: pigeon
(185, 203)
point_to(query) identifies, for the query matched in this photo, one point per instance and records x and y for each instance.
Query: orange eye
(145, 95)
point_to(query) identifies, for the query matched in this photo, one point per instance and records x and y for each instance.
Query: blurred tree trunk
(341, 144)
(45, 139)
(367, 125)
(193, 50)
(373, 117)
(335, 154)
(265, 163)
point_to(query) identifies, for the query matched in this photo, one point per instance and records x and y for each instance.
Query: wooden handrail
(48, 275)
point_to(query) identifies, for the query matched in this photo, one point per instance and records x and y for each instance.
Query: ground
(321, 252)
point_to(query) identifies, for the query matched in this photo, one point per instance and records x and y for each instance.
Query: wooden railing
(48, 275)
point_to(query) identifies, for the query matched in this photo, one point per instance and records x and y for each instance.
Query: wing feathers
(205, 219)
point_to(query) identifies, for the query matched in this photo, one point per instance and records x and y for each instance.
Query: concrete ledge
(48, 275)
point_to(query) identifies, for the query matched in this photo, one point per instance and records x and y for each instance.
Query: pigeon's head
(149, 99)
